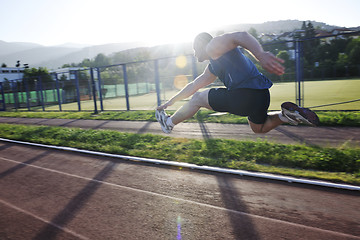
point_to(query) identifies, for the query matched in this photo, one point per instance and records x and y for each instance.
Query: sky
(95, 22)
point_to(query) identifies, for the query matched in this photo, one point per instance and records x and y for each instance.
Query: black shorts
(253, 103)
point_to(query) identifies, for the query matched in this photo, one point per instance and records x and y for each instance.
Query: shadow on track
(75, 205)
(242, 225)
(24, 164)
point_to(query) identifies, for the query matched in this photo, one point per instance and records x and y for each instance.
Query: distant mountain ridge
(54, 57)
(7, 48)
(88, 52)
(278, 26)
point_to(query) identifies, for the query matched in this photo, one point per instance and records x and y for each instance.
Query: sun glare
(170, 36)
(180, 81)
(181, 61)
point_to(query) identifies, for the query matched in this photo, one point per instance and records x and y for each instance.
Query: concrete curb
(194, 166)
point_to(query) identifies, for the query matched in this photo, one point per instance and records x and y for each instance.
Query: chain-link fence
(320, 72)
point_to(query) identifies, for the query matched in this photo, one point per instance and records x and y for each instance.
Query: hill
(54, 57)
(7, 48)
(87, 52)
(275, 26)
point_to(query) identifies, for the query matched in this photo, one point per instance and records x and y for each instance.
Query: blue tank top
(236, 71)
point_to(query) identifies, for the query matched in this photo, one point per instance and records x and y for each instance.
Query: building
(11, 73)
(69, 73)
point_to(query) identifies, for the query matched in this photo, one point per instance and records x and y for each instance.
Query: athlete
(246, 91)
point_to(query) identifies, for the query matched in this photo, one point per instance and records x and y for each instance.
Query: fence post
(15, 94)
(76, 76)
(13, 85)
(299, 72)
(126, 87)
(93, 90)
(2, 97)
(100, 89)
(26, 83)
(41, 94)
(58, 91)
(157, 81)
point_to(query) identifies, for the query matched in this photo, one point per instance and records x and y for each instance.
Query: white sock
(281, 116)
(169, 122)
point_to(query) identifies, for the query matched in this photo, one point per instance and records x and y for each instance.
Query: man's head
(200, 43)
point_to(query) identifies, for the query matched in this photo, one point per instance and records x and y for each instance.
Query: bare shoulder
(220, 45)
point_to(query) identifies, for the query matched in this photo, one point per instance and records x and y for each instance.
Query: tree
(66, 66)
(285, 56)
(101, 60)
(311, 44)
(3, 65)
(254, 33)
(33, 74)
(354, 55)
(342, 64)
(85, 63)
(303, 27)
(310, 31)
(353, 51)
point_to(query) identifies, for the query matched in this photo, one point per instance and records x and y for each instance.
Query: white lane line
(43, 220)
(187, 201)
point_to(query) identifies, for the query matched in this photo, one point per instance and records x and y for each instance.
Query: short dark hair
(203, 38)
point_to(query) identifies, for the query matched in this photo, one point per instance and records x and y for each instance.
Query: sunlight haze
(153, 22)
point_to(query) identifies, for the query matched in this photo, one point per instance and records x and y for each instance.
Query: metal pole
(100, 89)
(21, 92)
(157, 82)
(126, 87)
(76, 73)
(41, 94)
(93, 89)
(15, 94)
(27, 93)
(58, 91)
(299, 72)
(2, 97)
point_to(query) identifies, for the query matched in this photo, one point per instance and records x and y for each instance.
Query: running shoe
(298, 114)
(290, 120)
(161, 117)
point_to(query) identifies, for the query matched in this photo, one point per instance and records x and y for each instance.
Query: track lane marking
(43, 220)
(186, 201)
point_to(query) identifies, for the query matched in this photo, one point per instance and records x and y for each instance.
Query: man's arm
(224, 43)
(201, 81)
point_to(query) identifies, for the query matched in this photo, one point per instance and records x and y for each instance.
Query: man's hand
(271, 63)
(164, 106)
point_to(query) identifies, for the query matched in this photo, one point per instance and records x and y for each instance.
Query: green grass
(318, 93)
(337, 165)
(331, 118)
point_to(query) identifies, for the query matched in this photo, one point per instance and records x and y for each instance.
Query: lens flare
(181, 61)
(180, 81)
(178, 228)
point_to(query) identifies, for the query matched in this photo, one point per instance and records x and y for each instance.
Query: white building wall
(11, 73)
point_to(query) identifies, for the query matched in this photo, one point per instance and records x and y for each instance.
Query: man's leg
(291, 113)
(272, 121)
(198, 100)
